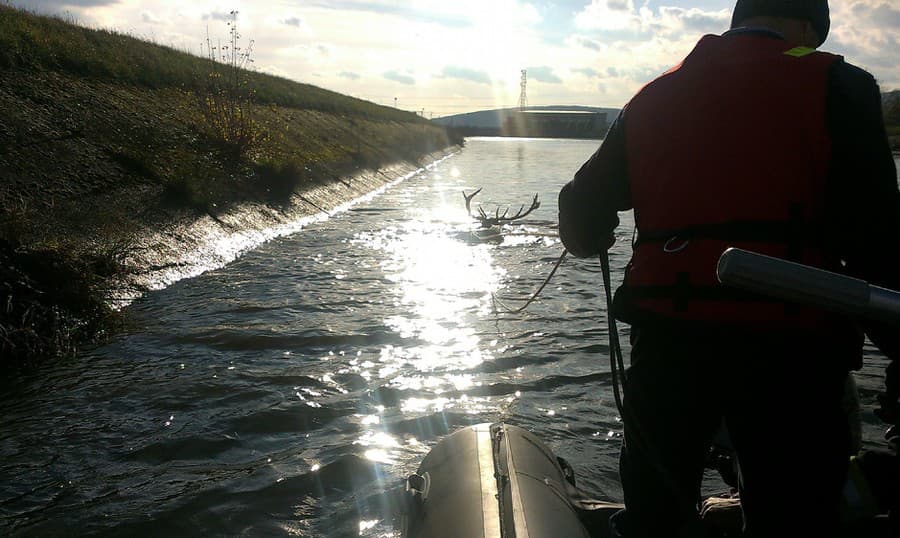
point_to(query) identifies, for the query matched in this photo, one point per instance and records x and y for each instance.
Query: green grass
(892, 123)
(30, 41)
(893, 132)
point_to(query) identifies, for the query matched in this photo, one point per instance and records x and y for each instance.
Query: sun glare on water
(442, 286)
(442, 282)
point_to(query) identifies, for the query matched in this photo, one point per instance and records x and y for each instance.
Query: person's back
(728, 149)
(749, 142)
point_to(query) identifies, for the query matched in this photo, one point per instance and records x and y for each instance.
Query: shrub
(224, 97)
(51, 302)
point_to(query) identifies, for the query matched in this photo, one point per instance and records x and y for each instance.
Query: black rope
(617, 367)
(534, 295)
(616, 363)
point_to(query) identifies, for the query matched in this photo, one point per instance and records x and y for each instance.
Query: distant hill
(496, 118)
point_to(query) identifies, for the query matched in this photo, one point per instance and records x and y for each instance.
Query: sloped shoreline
(183, 249)
(59, 299)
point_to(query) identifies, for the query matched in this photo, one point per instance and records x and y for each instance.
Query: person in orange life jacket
(757, 141)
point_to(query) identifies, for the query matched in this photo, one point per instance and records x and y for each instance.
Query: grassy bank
(891, 102)
(101, 140)
(893, 132)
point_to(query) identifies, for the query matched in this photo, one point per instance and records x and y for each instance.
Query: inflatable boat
(498, 480)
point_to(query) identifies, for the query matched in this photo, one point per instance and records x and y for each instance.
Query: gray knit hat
(814, 11)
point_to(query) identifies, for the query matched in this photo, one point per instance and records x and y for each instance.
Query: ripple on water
(290, 392)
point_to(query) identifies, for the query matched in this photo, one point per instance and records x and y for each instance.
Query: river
(289, 392)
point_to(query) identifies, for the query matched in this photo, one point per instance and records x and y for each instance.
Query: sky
(440, 57)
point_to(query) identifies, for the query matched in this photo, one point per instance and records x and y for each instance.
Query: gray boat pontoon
(501, 481)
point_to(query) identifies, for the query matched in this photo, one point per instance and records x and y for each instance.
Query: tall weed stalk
(224, 97)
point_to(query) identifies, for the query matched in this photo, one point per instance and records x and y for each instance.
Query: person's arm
(865, 201)
(588, 204)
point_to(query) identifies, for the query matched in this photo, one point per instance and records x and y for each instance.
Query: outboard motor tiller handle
(791, 281)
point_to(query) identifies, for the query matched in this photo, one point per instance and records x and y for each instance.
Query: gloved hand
(581, 244)
(579, 229)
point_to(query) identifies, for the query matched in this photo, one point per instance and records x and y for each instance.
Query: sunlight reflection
(443, 284)
(365, 525)
(441, 287)
(379, 455)
(461, 381)
(424, 405)
(371, 438)
(381, 444)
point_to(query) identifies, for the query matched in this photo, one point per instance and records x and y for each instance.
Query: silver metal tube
(791, 281)
(884, 304)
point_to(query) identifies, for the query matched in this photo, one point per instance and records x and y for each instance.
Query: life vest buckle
(673, 245)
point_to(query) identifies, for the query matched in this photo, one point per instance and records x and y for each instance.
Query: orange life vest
(730, 148)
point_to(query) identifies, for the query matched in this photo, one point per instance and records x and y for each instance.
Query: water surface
(291, 391)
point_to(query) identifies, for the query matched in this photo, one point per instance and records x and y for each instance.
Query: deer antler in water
(498, 219)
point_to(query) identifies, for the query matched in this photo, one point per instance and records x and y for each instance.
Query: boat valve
(418, 485)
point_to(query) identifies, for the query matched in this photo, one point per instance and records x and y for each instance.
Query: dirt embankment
(104, 183)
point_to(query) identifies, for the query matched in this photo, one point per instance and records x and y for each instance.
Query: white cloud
(587, 71)
(866, 32)
(150, 18)
(544, 74)
(220, 15)
(629, 45)
(465, 73)
(586, 42)
(635, 23)
(402, 78)
(693, 21)
(608, 15)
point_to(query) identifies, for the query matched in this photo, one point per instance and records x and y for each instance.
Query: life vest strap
(745, 231)
(682, 291)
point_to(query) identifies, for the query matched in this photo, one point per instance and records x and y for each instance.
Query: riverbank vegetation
(892, 119)
(104, 137)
